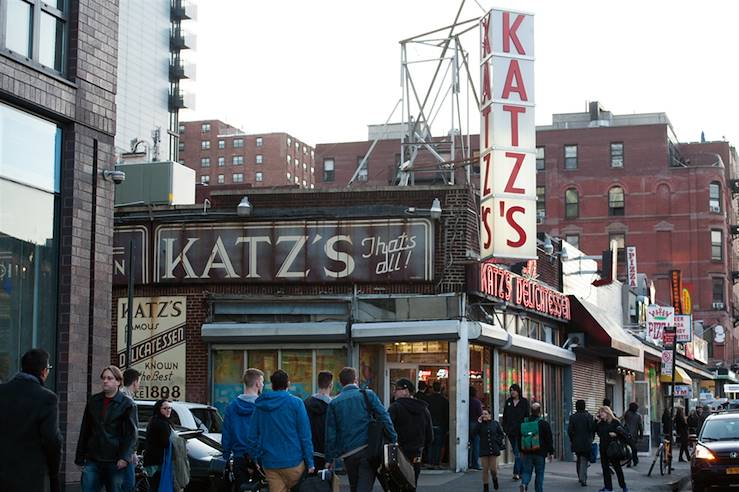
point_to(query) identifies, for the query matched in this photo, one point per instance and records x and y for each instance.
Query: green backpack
(530, 435)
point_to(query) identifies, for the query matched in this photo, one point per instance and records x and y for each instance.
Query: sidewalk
(560, 475)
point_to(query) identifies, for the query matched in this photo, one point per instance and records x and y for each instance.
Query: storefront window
(228, 371)
(333, 360)
(435, 352)
(369, 367)
(30, 164)
(533, 380)
(299, 366)
(267, 361)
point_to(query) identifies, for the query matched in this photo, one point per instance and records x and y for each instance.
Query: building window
(289, 176)
(616, 201)
(289, 142)
(221, 144)
(238, 143)
(237, 178)
(541, 207)
(205, 128)
(572, 204)
(570, 156)
(540, 158)
(259, 177)
(260, 159)
(620, 239)
(717, 245)
(289, 160)
(714, 197)
(297, 181)
(259, 141)
(181, 128)
(205, 162)
(573, 239)
(237, 160)
(36, 30)
(717, 289)
(297, 146)
(221, 161)
(305, 149)
(328, 170)
(617, 154)
(204, 180)
(181, 145)
(363, 174)
(221, 179)
(205, 144)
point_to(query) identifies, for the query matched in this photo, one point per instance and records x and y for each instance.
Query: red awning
(603, 334)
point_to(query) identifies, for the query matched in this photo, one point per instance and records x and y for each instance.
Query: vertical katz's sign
(157, 345)
(507, 136)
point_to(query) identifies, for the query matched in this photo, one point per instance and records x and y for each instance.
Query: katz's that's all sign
(507, 136)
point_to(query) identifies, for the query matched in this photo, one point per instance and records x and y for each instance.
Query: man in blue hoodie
(346, 430)
(236, 426)
(279, 435)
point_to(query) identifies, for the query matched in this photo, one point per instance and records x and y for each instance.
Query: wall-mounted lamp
(243, 209)
(434, 212)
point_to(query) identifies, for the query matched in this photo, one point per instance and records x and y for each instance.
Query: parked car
(202, 452)
(187, 415)
(715, 462)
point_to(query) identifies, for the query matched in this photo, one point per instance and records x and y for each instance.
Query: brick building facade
(222, 154)
(61, 96)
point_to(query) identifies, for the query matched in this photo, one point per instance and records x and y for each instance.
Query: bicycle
(141, 480)
(664, 456)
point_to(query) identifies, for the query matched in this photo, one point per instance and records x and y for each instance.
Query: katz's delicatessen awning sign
(507, 136)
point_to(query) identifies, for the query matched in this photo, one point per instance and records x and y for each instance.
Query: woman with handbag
(158, 454)
(613, 448)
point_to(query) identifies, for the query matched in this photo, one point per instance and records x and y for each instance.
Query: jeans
(533, 463)
(473, 457)
(606, 464)
(436, 445)
(360, 472)
(517, 462)
(96, 475)
(583, 462)
(130, 479)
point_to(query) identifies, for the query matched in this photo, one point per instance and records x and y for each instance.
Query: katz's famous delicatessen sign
(507, 136)
(523, 292)
(158, 349)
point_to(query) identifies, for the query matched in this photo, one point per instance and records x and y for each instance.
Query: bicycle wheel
(657, 456)
(662, 463)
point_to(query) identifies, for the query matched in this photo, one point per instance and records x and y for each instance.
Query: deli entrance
(415, 373)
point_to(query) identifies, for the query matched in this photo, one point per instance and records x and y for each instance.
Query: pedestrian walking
(347, 423)
(681, 428)
(581, 432)
(317, 407)
(30, 441)
(475, 412)
(693, 421)
(422, 391)
(235, 430)
(158, 454)
(131, 384)
(515, 410)
(634, 425)
(492, 443)
(537, 443)
(439, 410)
(107, 435)
(610, 430)
(412, 421)
(667, 425)
(279, 435)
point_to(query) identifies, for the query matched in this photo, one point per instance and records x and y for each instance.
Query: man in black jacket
(107, 435)
(516, 409)
(316, 406)
(30, 441)
(581, 432)
(439, 410)
(634, 425)
(412, 422)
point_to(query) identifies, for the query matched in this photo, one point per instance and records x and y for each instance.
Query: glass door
(395, 371)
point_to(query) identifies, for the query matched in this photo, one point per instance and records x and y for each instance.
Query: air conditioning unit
(734, 229)
(540, 215)
(717, 305)
(714, 208)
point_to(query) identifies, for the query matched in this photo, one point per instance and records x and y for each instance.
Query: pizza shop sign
(524, 292)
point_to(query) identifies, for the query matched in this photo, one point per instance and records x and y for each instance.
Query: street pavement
(559, 476)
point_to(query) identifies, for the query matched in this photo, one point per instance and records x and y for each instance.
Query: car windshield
(207, 419)
(720, 430)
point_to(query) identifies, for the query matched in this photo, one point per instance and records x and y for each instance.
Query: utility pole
(672, 330)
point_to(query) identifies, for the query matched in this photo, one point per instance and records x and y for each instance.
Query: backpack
(530, 440)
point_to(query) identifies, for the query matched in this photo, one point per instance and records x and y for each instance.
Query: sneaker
(516, 477)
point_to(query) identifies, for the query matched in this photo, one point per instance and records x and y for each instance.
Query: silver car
(188, 415)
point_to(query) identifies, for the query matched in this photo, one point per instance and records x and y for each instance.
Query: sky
(322, 70)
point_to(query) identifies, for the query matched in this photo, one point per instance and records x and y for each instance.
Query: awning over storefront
(604, 335)
(681, 377)
(332, 331)
(485, 332)
(540, 350)
(447, 329)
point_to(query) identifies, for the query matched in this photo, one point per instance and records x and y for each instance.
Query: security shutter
(588, 382)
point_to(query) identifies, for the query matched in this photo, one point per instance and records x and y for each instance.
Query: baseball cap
(404, 383)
